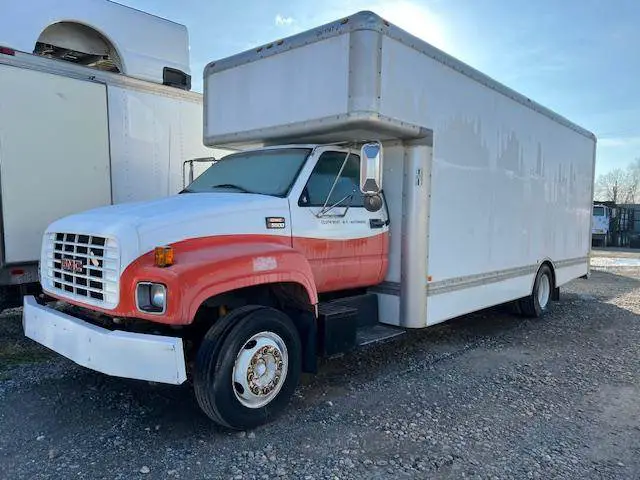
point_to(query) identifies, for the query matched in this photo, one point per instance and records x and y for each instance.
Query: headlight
(158, 296)
(151, 297)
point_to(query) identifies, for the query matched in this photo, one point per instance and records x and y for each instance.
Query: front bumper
(116, 353)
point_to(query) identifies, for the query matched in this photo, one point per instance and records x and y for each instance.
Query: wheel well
(555, 291)
(276, 295)
(553, 272)
(288, 297)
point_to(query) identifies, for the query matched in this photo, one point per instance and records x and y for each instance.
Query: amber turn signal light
(163, 256)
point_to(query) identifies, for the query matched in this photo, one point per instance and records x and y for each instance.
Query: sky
(580, 58)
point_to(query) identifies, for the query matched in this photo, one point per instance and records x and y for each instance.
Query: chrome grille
(83, 268)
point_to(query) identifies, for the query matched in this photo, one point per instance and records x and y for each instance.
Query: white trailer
(94, 110)
(307, 242)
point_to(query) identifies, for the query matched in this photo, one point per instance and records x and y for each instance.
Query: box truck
(601, 222)
(95, 108)
(380, 186)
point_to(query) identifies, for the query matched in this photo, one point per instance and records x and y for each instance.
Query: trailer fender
(548, 262)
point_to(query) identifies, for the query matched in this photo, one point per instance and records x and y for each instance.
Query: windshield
(266, 172)
(598, 211)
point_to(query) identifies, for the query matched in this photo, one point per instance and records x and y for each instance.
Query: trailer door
(54, 155)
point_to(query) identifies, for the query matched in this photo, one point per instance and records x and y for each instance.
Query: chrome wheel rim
(260, 369)
(544, 291)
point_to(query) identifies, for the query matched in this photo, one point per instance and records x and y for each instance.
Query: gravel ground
(489, 395)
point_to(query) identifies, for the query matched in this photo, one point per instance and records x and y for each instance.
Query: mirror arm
(323, 212)
(386, 206)
(191, 161)
(335, 182)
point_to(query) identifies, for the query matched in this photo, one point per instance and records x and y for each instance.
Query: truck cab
(315, 192)
(299, 206)
(263, 233)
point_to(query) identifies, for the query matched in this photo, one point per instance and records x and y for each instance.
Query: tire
(536, 304)
(248, 367)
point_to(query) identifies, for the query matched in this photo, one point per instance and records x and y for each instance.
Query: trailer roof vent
(77, 43)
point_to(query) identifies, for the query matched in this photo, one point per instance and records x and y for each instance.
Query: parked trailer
(94, 110)
(306, 242)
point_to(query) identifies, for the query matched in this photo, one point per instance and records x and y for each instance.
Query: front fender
(206, 267)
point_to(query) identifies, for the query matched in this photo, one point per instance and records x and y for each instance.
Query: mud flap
(305, 322)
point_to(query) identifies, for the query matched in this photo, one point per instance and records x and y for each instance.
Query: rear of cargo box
(54, 155)
(507, 184)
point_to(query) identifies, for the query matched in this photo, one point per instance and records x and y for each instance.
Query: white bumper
(117, 353)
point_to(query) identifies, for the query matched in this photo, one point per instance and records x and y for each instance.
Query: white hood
(141, 226)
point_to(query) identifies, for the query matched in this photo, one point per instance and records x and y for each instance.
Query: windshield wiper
(231, 185)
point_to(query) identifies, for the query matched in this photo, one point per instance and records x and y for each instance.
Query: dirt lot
(490, 395)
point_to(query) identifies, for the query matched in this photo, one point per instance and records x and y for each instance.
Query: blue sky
(577, 57)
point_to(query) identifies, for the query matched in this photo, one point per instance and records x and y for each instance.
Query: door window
(347, 188)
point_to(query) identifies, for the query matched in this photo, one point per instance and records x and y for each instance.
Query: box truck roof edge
(370, 21)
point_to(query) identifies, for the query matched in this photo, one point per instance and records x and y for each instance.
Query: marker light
(163, 256)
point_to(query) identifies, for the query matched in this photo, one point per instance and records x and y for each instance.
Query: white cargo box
(506, 184)
(355, 79)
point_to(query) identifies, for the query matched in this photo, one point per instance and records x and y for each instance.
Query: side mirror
(371, 168)
(189, 176)
(373, 203)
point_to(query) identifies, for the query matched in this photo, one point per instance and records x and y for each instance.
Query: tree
(634, 179)
(619, 185)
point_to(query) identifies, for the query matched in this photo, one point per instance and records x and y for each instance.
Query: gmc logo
(71, 265)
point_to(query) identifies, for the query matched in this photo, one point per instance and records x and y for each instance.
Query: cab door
(345, 244)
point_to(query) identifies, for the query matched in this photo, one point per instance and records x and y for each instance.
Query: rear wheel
(536, 304)
(248, 367)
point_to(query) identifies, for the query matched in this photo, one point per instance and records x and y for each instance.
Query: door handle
(377, 223)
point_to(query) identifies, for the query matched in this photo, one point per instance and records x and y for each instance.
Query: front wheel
(246, 373)
(536, 304)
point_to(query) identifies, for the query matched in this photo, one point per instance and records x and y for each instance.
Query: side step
(376, 333)
(341, 327)
(337, 328)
